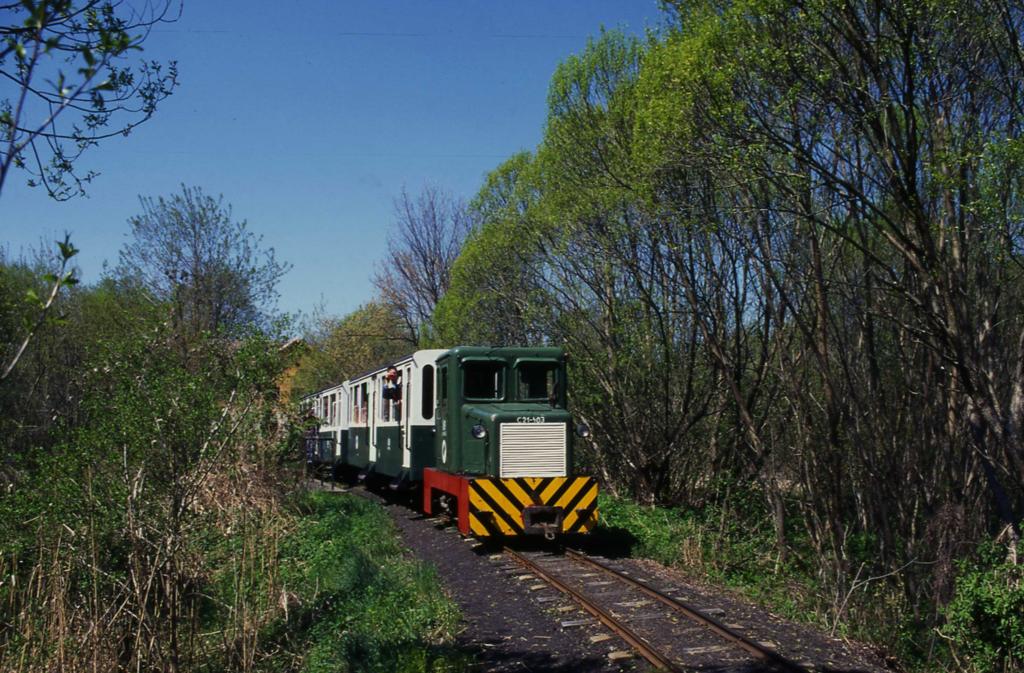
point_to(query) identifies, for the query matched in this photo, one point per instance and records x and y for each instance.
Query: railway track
(667, 632)
(663, 626)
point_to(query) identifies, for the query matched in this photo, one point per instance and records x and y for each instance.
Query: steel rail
(655, 658)
(759, 651)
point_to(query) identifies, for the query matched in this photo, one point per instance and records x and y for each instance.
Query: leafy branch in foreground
(63, 277)
(64, 62)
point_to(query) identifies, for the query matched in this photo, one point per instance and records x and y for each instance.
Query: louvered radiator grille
(532, 449)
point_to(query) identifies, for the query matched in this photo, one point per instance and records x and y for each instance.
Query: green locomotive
(485, 432)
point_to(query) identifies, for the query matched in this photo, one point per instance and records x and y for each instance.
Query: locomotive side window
(428, 392)
(537, 381)
(484, 381)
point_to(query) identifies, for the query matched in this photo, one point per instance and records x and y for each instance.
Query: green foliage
(660, 533)
(164, 478)
(19, 286)
(358, 602)
(591, 107)
(726, 540)
(341, 348)
(48, 345)
(114, 495)
(733, 229)
(985, 619)
(669, 88)
(490, 293)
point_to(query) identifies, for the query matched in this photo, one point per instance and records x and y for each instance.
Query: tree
(186, 250)
(489, 287)
(72, 86)
(342, 348)
(782, 244)
(40, 396)
(890, 132)
(71, 89)
(427, 235)
(563, 254)
(862, 161)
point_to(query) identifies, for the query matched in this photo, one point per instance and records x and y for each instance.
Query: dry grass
(144, 596)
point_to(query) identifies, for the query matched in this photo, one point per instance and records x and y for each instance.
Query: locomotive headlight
(583, 430)
(478, 431)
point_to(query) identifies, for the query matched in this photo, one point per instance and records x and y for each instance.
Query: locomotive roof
(507, 352)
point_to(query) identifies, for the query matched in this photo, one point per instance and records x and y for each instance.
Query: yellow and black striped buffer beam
(496, 505)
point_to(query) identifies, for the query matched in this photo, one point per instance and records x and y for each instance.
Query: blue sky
(310, 117)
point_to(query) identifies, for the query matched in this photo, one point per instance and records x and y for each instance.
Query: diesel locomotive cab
(504, 428)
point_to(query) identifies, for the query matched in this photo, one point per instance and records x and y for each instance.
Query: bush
(732, 543)
(985, 619)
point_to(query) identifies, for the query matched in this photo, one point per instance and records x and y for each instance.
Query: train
(481, 434)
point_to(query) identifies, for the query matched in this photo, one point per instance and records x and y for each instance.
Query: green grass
(356, 600)
(734, 547)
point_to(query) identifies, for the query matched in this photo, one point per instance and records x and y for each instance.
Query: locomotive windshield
(484, 380)
(537, 381)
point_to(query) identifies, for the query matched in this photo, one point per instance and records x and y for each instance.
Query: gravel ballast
(506, 629)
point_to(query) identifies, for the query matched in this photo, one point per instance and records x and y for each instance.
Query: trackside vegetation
(354, 600)
(730, 544)
(152, 514)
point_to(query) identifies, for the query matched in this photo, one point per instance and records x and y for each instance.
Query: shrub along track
(514, 624)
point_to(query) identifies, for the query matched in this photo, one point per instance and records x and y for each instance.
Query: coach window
(483, 380)
(363, 404)
(428, 392)
(537, 381)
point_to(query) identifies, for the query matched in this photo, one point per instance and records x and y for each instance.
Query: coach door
(441, 417)
(406, 413)
(372, 422)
